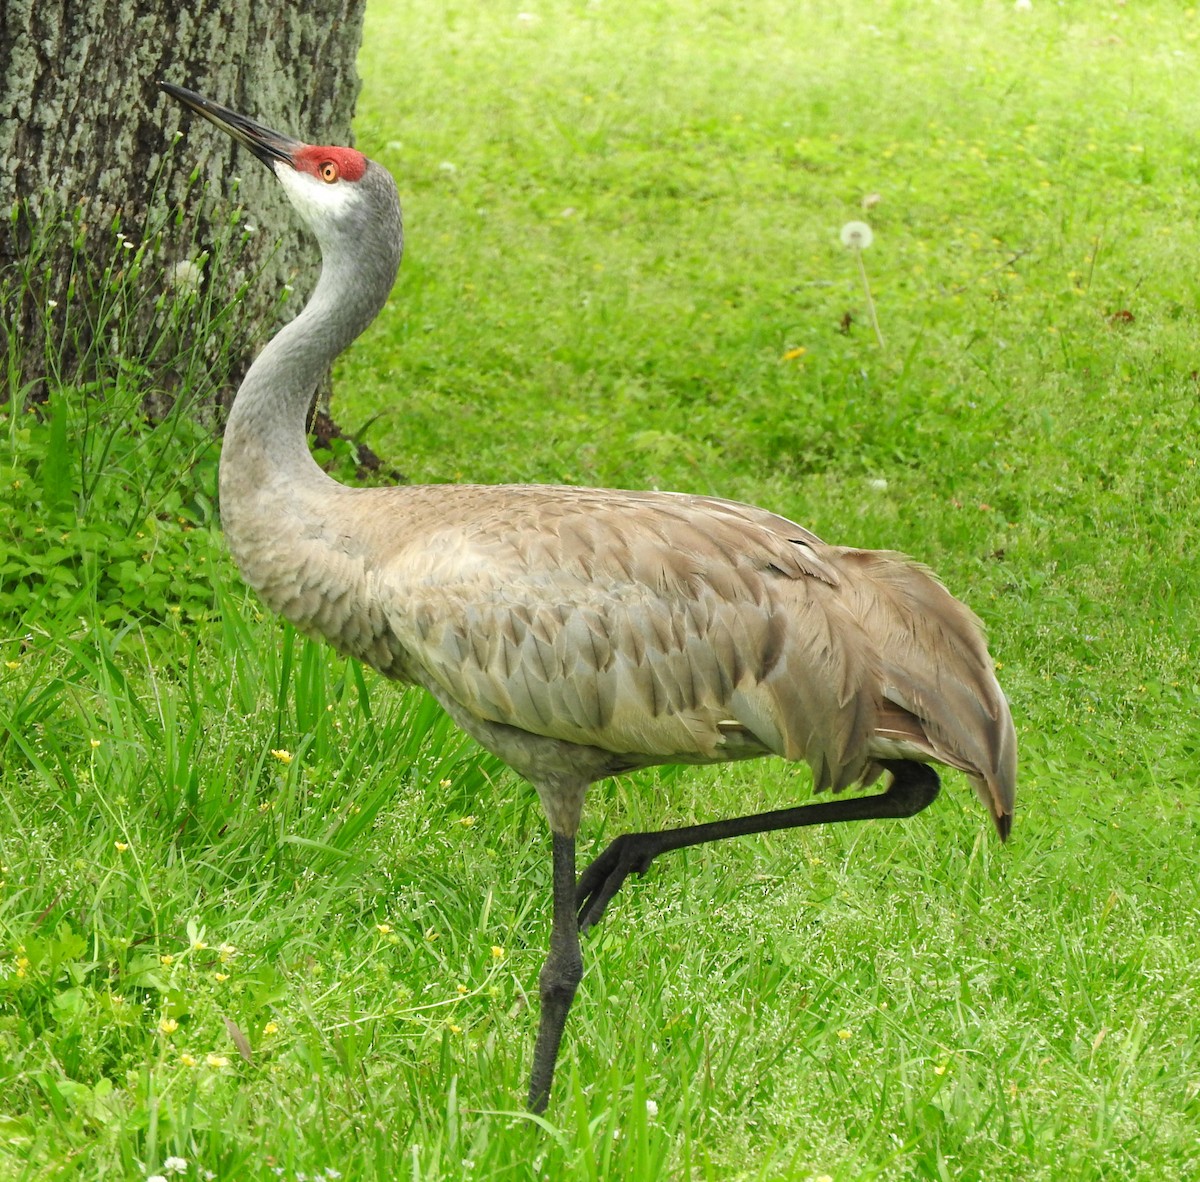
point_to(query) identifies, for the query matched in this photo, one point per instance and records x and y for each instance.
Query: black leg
(560, 974)
(914, 786)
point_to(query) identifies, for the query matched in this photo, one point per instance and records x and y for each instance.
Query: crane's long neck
(276, 503)
(266, 438)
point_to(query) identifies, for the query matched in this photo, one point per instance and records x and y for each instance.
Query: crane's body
(579, 633)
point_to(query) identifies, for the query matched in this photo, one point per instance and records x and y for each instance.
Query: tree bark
(91, 143)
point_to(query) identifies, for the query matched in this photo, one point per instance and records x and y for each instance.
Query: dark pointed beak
(269, 146)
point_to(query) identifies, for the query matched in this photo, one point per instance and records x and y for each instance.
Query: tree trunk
(91, 143)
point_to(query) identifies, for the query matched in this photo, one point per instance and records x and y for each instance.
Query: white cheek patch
(316, 201)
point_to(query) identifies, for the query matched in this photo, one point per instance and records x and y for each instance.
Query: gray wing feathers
(935, 666)
(674, 628)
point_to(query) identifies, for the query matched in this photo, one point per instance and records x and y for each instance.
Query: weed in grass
(856, 237)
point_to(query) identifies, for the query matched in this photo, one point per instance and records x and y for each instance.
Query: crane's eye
(329, 172)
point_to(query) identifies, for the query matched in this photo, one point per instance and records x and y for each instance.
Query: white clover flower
(857, 235)
(156, 1178)
(878, 483)
(651, 1108)
(175, 1165)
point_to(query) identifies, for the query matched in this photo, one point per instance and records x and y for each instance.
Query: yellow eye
(329, 172)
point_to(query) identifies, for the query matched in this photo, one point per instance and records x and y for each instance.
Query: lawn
(265, 914)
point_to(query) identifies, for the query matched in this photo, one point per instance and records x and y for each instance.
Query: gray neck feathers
(266, 435)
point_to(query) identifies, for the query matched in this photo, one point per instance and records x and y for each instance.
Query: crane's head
(341, 194)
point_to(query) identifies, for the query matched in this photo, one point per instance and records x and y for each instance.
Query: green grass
(622, 223)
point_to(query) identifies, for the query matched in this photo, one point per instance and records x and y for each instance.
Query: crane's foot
(628, 854)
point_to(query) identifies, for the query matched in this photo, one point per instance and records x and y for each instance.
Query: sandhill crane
(579, 633)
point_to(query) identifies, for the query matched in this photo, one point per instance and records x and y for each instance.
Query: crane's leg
(560, 974)
(914, 786)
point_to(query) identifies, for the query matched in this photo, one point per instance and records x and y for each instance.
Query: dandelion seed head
(185, 276)
(857, 235)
